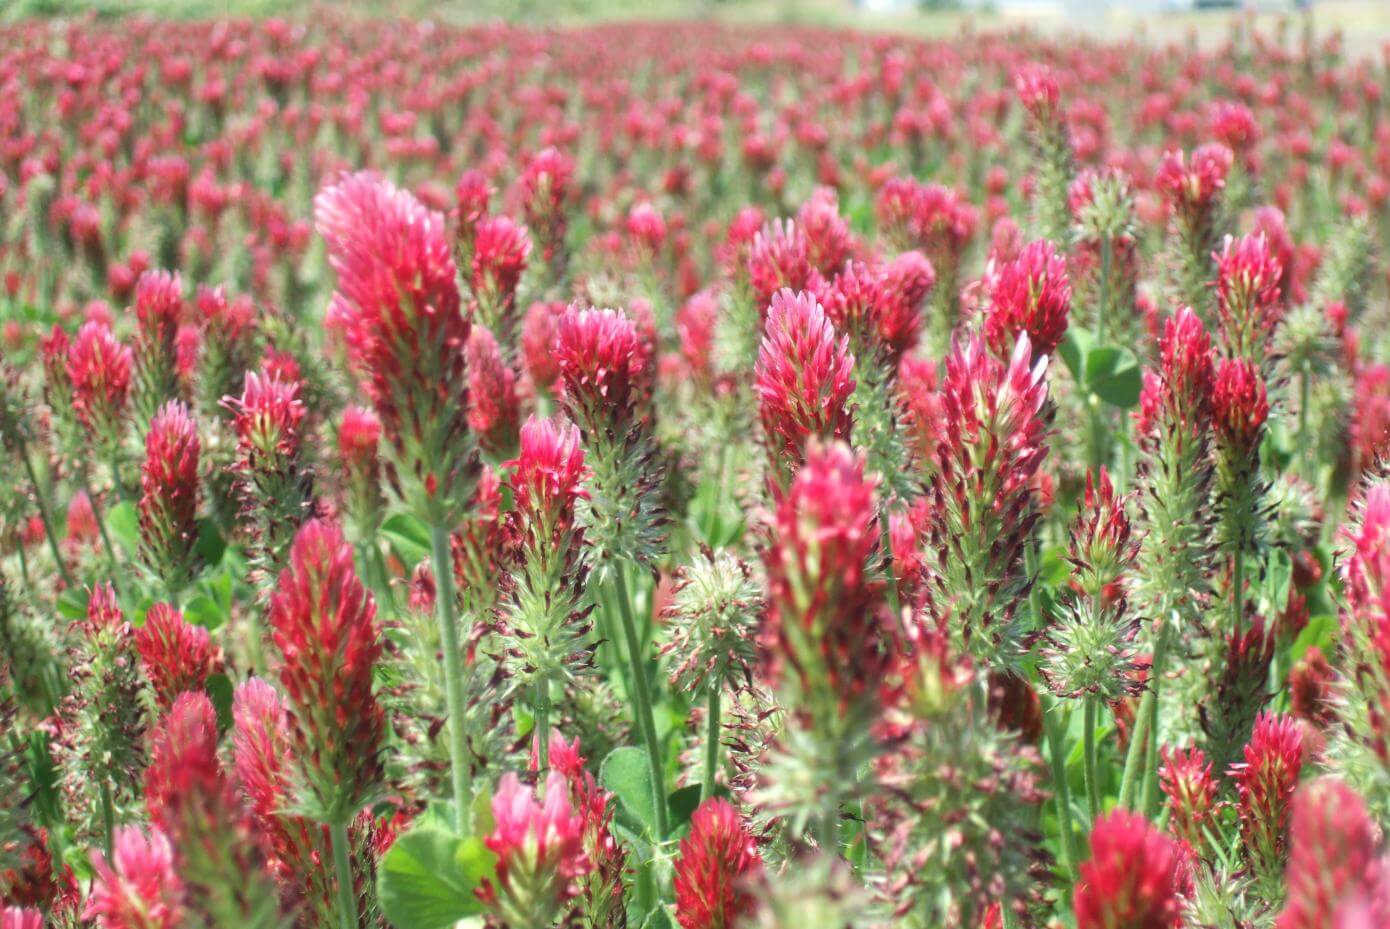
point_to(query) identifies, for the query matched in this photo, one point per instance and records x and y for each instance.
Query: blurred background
(1364, 24)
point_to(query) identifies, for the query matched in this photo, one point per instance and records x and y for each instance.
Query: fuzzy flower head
(1102, 540)
(1038, 91)
(829, 242)
(991, 441)
(359, 438)
(548, 473)
(501, 250)
(99, 370)
(539, 849)
(176, 655)
(1239, 406)
(823, 605)
(1265, 783)
(711, 622)
(1135, 878)
(324, 624)
(907, 282)
(1186, 780)
(547, 187)
(805, 380)
(15, 917)
(1248, 276)
(266, 418)
(605, 365)
(158, 309)
(184, 771)
(1191, 185)
(716, 867)
(138, 888)
(494, 406)
(1030, 294)
(1336, 867)
(1178, 395)
(168, 508)
(398, 307)
(780, 258)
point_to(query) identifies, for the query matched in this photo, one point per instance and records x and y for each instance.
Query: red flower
(14, 917)
(715, 866)
(538, 343)
(138, 888)
(1037, 90)
(324, 624)
(1248, 277)
(500, 252)
(805, 380)
(82, 520)
(397, 304)
(1135, 878)
(1179, 394)
(646, 230)
(1191, 187)
(548, 473)
(158, 311)
(494, 406)
(822, 603)
(605, 365)
(539, 849)
(907, 281)
(359, 435)
(1239, 406)
(184, 771)
(169, 493)
(175, 655)
(1186, 781)
(780, 257)
(1336, 870)
(829, 243)
(99, 368)
(1265, 782)
(1031, 295)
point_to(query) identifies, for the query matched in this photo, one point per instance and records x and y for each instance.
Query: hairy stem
(453, 674)
(712, 731)
(1056, 750)
(45, 515)
(1146, 717)
(641, 698)
(1089, 753)
(347, 895)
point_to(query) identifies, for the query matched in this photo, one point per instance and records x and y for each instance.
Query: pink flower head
(324, 624)
(1239, 406)
(266, 418)
(159, 309)
(138, 888)
(184, 772)
(473, 194)
(779, 258)
(99, 369)
(1135, 878)
(501, 249)
(15, 917)
(1032, 295)
(1191, 187)
(854, 302)
(829, 243)
(823, 608)
(1102, 540)
(1186, 780)
(539, 849)
(82, 520)
(547, 186)
(1336, 870)
(604, 363)
(1248, 276)
(1179, 394)
(715, 868)
(176, 655)
(1038, 91)
(1265, 782)
(805, 379)
(1234, 125)
(359, 435)
(538, 343)
(495, 407)
(547, 475)
(646, 230)
(168, 506)
(907, 281)
(397, 304)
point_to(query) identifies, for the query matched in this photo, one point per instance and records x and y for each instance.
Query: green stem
(1145, 718)
(712, 732)
(542, 698)
(44, 513)
(106, 539)
(108, 817)
(641, 697)
(1089, 755)
(1103, 301)
(453, 674)
(1056, 743)
(1237, 590)
(347, 896)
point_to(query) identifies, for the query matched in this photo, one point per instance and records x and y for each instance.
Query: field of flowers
(706, 477)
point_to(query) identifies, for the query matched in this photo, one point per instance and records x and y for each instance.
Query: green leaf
(123, 526)
(220, 692)
(429, 878)
(72, 603)
(1114, 375)
(210, 545)
(1074, 348)
(408, 536)
(626, 773)
(683, 804)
